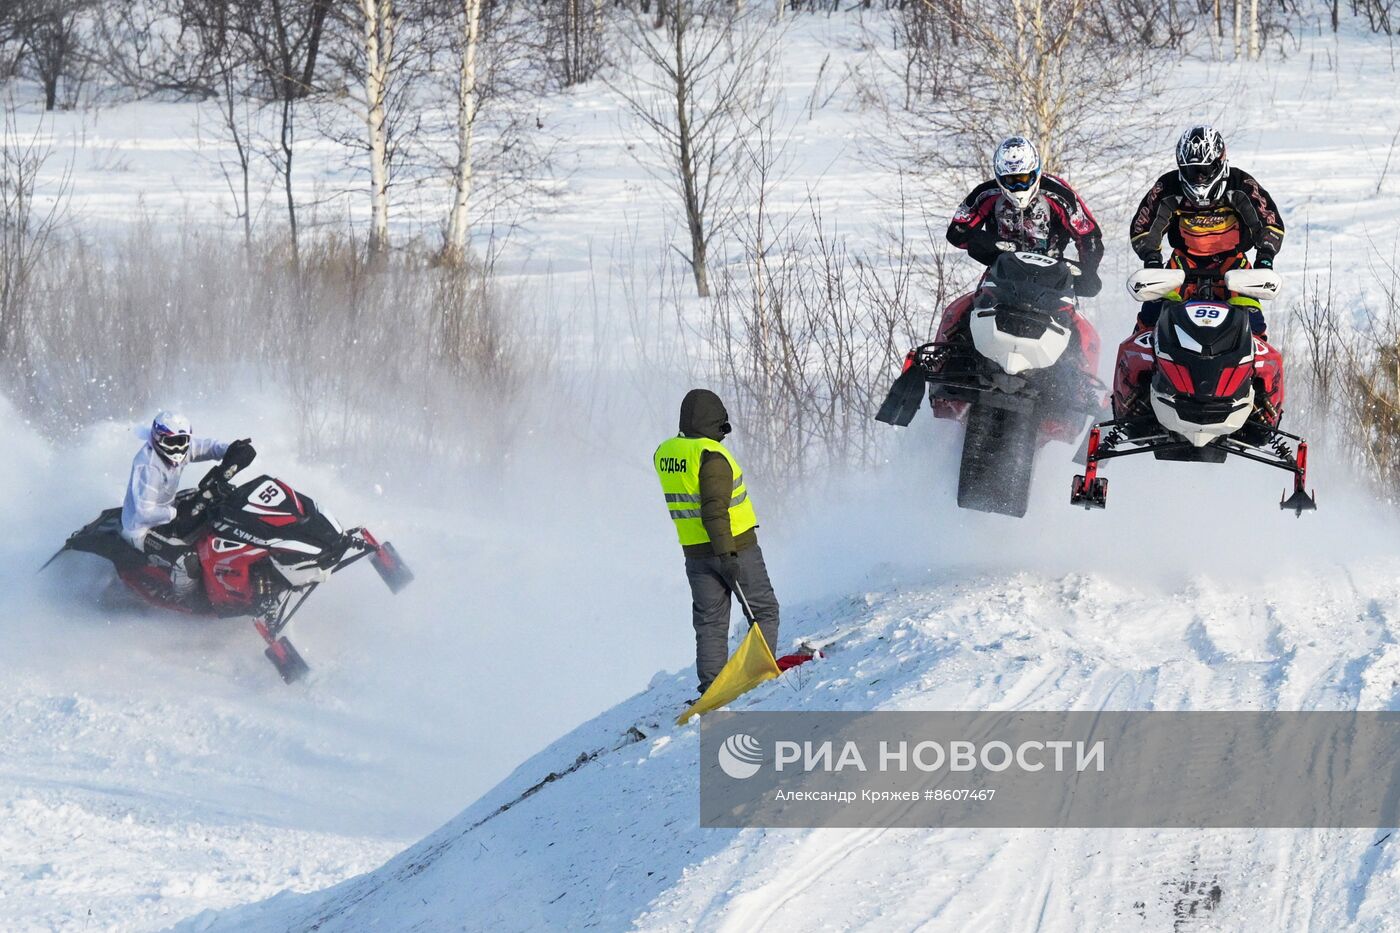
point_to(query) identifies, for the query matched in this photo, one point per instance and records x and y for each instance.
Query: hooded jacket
(703, 415)
(150, 493)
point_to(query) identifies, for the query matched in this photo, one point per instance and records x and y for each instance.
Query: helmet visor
(1018, 181)
(1201, 175)
(174, 446)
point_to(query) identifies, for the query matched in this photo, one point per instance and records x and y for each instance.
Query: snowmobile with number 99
(1199, 386)
(263, 548)
(1015, 363)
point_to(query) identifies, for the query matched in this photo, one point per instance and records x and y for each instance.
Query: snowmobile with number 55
(263, 548)
(1015, 363)
(1199, 386)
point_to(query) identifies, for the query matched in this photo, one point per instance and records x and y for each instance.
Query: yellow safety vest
(677, 463)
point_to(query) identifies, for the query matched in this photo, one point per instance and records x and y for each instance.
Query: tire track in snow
(1045, 888)
(822, 851)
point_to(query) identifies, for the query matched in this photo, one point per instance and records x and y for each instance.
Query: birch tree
(385, 50)
(468, 104)
(380, 23)
(1253, 29)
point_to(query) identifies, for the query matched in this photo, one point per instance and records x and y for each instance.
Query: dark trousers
(710, 606)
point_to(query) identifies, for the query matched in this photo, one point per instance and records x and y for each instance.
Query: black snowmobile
(1015, 363)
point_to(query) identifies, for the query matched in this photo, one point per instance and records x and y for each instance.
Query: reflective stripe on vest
(677, 463)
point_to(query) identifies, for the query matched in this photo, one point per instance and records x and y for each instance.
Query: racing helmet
(1201, 164)
(170, 436)
(1016, 164)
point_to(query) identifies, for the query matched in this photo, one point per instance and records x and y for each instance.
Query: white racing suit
(149, 508)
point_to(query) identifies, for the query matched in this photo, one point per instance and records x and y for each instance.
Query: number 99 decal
(1205, 314)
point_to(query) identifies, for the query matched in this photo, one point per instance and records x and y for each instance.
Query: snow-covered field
(151, 769)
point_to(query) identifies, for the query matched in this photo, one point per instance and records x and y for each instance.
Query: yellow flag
(748, 667)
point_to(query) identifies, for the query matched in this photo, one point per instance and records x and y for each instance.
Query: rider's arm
(1076, 222)
(1268, 222)
(1079, 223)
(1150, 222)
(1090, 248)
(204, 448)
(972, 223)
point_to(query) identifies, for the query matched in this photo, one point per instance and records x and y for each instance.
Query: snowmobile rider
(149, 513)
(1021, 208)
(708, 500)
(1211, 214)
(1024, 208)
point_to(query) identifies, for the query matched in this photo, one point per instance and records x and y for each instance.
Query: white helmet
(1016, 164)
(170, 436)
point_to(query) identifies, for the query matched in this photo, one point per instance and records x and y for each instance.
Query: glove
(1087, 283)
(240, 453)
(983, 246)
(1263, 261)
(1152, 261)
(729, 570)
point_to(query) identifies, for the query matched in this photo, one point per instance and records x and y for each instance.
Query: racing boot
(184, 577)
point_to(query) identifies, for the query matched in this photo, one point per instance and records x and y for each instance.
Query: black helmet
(1201, 164)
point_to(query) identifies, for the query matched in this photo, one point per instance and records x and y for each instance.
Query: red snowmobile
(1199, 386)
(1014, 362)
(263, 548)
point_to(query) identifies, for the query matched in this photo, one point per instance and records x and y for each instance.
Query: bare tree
(13, 27)
(27, 225)
(702, 82)
(575, 39)
(804, 336)
(1046, 68)
(50, 34)
(278, 44)
(237, 126)
(485, 141)
(150, 47)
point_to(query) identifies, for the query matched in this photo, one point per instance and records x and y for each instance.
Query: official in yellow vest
(718, 530)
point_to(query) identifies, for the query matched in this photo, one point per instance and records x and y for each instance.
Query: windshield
(1030, 281)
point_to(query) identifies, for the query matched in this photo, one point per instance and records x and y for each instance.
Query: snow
(153, 771)
(617, 845)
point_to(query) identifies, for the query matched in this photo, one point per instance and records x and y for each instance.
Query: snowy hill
(613, 842)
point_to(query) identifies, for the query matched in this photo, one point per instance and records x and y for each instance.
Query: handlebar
(215, 485)
(1204, 275)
